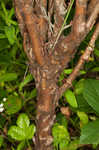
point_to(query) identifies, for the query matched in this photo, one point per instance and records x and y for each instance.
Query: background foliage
(77, 122)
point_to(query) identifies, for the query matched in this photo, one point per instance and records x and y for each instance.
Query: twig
(93, 16)
(82, 60)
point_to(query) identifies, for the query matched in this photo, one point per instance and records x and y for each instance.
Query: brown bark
(39, 34)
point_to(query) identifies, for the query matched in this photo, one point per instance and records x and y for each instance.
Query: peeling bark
(39, 32)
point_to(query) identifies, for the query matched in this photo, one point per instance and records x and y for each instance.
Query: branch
(41, 11)
(18, 11)
(84, 58)
(59, 25)
(60, 11)
(31, 24)
(44, 3)
(66, 47)
(91, 6)
(50, 8)
(92, 18)
(26, 42)
(28, 48)
(78, 29)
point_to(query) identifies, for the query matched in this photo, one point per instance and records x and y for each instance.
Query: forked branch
(84, 58)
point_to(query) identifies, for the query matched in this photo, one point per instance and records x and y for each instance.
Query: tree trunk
(45, 119)
(45, 116)
(49, 52)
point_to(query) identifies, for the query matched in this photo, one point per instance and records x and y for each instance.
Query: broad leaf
(96, 52)
(17, 133)
(70, 97)
(82, 104)
(91, 93)
(96, 69)
(10, 33)
(61, 119)
(23, 121)
(5, 59)
(30, 131)
(83, 117)
(79, 87)
(73, 145)
(90, 133)
(23, 131)
(13, 104)
(61, 135)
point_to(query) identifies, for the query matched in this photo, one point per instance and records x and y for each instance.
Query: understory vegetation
(77, 115)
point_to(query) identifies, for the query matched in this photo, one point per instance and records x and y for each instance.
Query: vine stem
(62, 27)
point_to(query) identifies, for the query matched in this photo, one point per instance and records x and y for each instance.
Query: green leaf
(79, 86)
(10, 33)
(2, 121)
(1, 141)
(17, 133)
(61, 119)
(60, 134)
(23, 131)
(11, 13)
(63, 145)
(8, 77)
(30, 131)
(96, 69)
(82, 104)
(13, 104)
(83, 117)
(21, 145)
(5, 59)
(23, 121)
(2, 36)
(96, 52)
(68, 71)
(4, 8)
(73, 145)
(4, 44)
(82, 72)
(27, 79)
(33, 93)
(90, 133)
(12, 148)
(91, 93)
(71, 99)
(97, 43)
